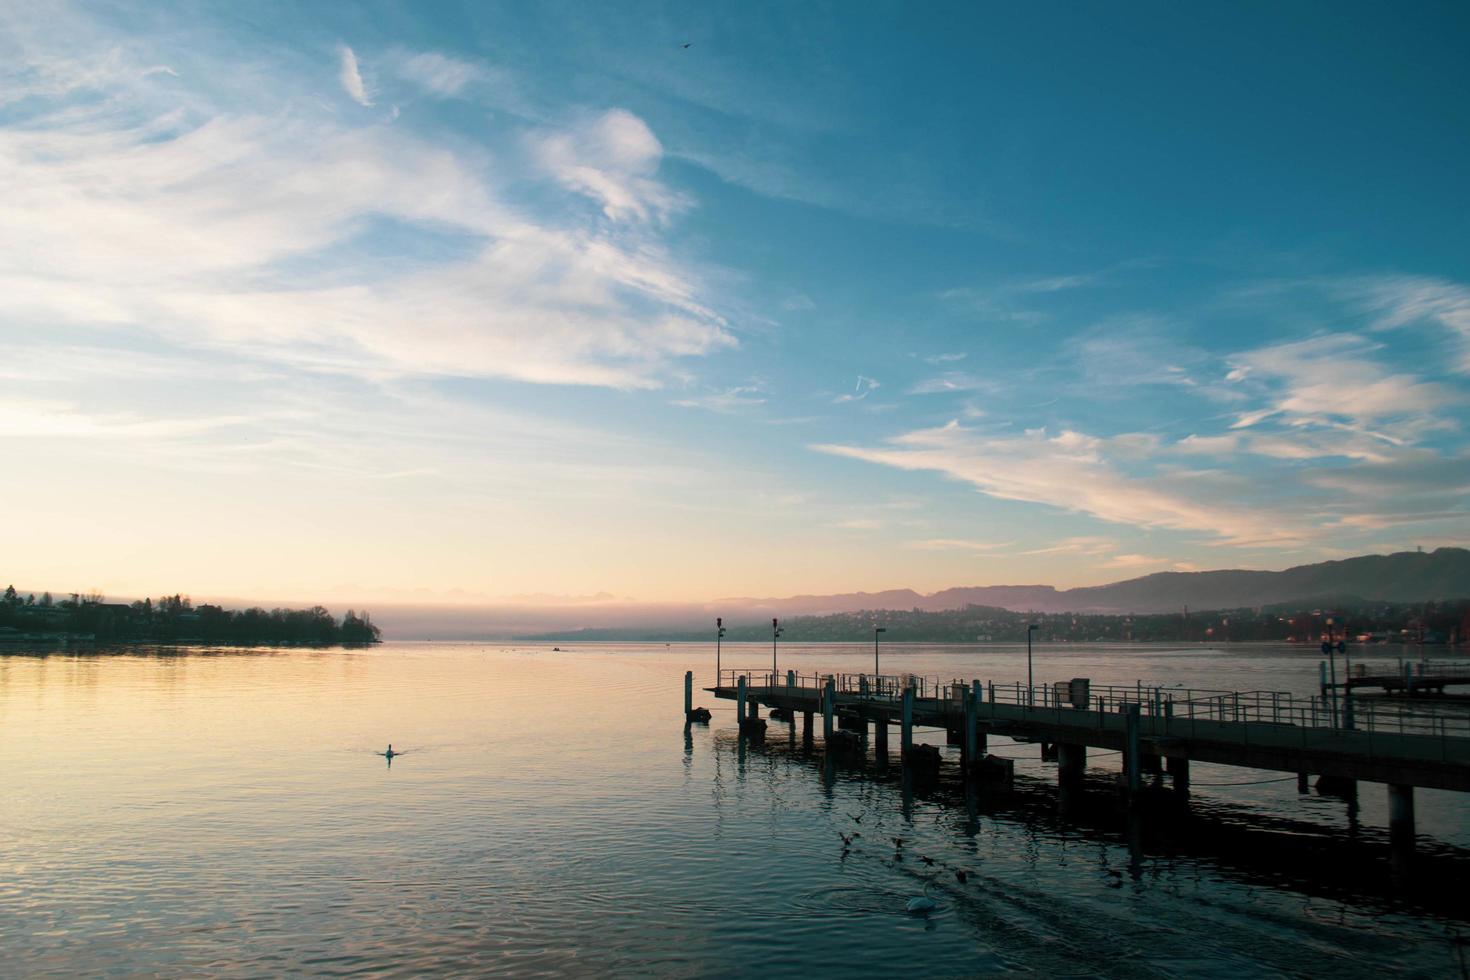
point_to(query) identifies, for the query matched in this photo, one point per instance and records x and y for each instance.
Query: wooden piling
(906, 738)
(880, 739)
(1179, 773)
(1071, 764)
(740, 700)
(1401, 816)
(688, 693)
(829, 708)
(1132, 757)
(971, 730)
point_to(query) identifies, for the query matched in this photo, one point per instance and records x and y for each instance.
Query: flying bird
(856, 817)
(687, 43)
(961, 876)
(927, 860)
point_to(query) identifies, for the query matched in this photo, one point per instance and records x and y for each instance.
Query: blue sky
(481, 300)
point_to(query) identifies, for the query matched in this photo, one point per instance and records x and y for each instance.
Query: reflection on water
(231, 813)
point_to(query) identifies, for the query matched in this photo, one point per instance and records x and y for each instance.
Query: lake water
(225, 813)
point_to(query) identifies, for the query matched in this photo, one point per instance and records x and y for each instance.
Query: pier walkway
(1153, 727)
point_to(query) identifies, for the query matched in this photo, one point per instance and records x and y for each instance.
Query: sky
(479, 300)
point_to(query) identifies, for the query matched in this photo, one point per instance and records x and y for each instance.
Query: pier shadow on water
(1353, 864)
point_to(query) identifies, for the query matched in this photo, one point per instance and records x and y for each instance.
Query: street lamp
(1029, 630)
(775, 632)
(719, 635)
(876, 631)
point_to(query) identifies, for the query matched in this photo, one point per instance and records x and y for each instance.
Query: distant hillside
(1407, 576)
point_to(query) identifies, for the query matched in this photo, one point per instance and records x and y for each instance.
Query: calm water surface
(224, 813)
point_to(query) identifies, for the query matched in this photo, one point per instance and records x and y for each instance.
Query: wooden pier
(1156, 729)
(1413, 678)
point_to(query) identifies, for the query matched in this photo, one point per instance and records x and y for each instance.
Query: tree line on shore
(175, 619)
(1429, 622)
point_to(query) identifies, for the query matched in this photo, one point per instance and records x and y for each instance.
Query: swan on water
(922, 904)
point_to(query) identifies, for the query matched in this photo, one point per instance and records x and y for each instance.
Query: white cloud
(611, 159)
(351, 78)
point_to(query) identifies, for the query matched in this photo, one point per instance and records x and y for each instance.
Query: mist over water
(227, 812)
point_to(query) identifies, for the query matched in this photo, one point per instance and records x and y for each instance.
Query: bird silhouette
(927, 860)
(897, 841)
(847, 839)
(688, 43)
(960, 875)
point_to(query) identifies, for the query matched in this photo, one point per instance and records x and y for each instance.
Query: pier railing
(1166, 704)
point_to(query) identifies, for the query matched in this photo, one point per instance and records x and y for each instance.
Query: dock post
(1132, 757)
(829, 708)
(740, 701)
(1303, 782)
(688, 693)
(1401, 816)
(806, 727)
(1179, 772)
(906, 737)
(880, 740)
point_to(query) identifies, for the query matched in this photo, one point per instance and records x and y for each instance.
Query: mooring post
(880, 739)
(740, 700)
(829, 708)
(1401, 816)
(806, 726)
(1131, 756)
(688, 693)
(1303, 782)
(906, 737)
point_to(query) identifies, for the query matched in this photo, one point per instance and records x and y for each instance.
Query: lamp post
(775, 633)
(1033, 627)
(719, 635)
(876, 631)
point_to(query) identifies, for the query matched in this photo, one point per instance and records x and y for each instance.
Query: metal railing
(1167, 704)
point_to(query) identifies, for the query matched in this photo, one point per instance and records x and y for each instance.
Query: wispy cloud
(950, 382)
(960, 544)
(1332, 376)
(728, 401)
(864, 387)
(350, 76)
(1403, 300)
(1070, 471)
(213, 228)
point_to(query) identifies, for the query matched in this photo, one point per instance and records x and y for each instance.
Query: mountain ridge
(1405, 576)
